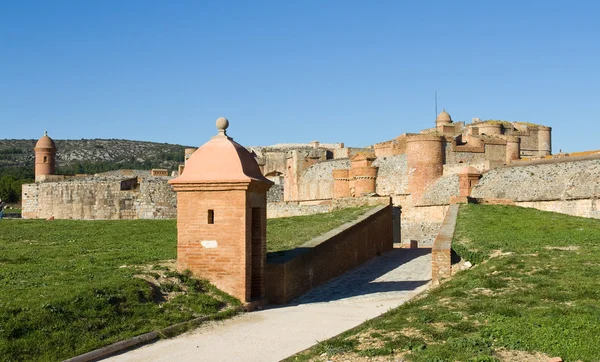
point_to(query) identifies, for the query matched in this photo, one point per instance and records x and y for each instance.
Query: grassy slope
(68, 287)
(541, 295)
(290, 232)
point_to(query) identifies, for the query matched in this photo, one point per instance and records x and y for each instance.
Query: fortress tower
(544, 140)
(45, 157)
(513, 148)
(221, 217)
(363, 174)
(341, 183)
(442, 119)
(425, 158)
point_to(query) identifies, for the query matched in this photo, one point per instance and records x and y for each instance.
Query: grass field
(290, 232)
(534, 293)
(68, 287)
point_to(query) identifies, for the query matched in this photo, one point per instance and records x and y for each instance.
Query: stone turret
(513, 148)
(363, 174)
(45, 157)
(544, 140)
(443, 118)
(221, 217)
(425, 158)
(468, 177)
(341, 183)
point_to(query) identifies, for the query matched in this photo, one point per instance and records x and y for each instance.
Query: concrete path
(276, 333)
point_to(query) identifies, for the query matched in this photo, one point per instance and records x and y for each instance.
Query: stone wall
(275, 193)
(287, 209)
(316, 182)
(569, 187)
(291, 274)
(392, 175)
(293, 208)
(422, 223)
(440, 192)
(100, 198)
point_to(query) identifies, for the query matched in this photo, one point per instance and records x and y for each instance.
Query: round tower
(489, 129)
(45, 157)
(365, 179)
(513, 148)
(341, 183)
(442, 119)
(425, 158)
(544, 140)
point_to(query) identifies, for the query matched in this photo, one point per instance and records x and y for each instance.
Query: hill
(94, 155)
(82, 156)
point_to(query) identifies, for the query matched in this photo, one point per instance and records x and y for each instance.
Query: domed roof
(221, 159)
(469, 170)
(45, 142)
(443, 117)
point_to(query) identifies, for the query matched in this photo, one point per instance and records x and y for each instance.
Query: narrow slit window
(211, 216)
(45, 159)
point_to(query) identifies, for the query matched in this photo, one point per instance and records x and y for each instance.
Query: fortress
(420, 173)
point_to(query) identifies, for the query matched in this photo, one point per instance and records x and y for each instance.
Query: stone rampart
(100, 198)
(292, 273)
(291, 208)
(294, 208)
(567, 187)
(316, 182)
(392, 175)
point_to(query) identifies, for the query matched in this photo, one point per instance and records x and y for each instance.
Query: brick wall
(441, 266)
(328, 256)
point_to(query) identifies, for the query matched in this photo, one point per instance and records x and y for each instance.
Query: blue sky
(357, 72)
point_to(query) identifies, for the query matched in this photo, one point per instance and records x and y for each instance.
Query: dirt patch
(482, 291)
(499, 253)
(563, 248)
(163, 278)
(520, 356)
(354, 357)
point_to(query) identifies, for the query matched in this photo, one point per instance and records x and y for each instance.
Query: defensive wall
(292, 273)
(100, 198)
(296, 208)
(565, 185)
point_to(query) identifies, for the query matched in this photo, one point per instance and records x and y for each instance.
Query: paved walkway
(276, 333)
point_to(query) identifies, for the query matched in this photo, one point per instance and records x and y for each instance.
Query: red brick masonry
(292, 273)
(440, 252)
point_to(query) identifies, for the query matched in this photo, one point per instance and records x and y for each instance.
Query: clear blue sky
(358, 72)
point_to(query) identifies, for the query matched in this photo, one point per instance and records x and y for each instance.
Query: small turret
(45, 157)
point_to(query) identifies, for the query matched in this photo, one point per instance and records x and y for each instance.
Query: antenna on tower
(436, 112)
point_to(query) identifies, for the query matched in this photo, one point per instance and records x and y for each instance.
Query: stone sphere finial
(222, 123)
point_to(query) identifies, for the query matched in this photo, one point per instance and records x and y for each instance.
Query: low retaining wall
(290, 274)
(299, 208)
(441, 264)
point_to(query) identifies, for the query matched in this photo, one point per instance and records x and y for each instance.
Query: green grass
(68, 287)
(12, 211)
(539, 293)
(287, 233)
